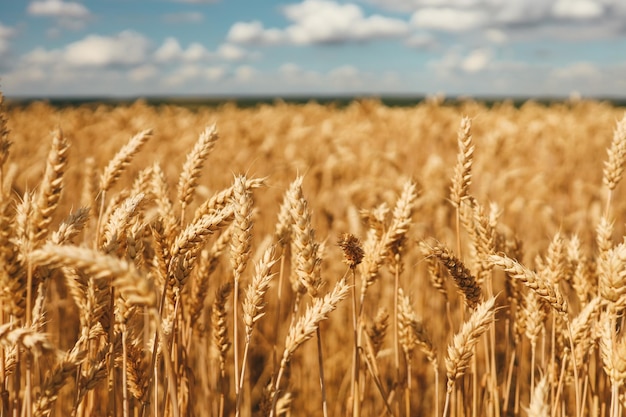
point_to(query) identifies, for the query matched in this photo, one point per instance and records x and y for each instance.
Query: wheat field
(313, 260)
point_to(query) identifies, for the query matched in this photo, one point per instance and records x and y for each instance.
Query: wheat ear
(305, 248)
(303, 329)
(462, 177)
(220, 200)
(70, 227)
(463, 278)
(136, 289)
(614, 165)
(241, 201)
(539, 406)
(51, 185)
(5, 144)
(56, 380)
(612, 274)
(116, 166)
(613, 354)
(545, 290)
(377, 250)
(193, 166)
(253, 305)
(220, 337)
(460, 351)
(114, 230)
(122, 159)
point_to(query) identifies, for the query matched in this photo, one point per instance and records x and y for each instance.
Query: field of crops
(313, 260)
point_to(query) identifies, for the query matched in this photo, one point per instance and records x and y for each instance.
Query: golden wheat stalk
(193, 166)
(549, 292)
(461, 350)
(49, 194)
(304, 328)
(253, 306)
(614, 165)
(463, 170)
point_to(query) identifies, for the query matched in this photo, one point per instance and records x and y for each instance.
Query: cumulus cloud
(254, 32)
(58, 8)
(143, 73)
(496, 36)
(578, 9)
(230, 52)
(344, 72)
(245, 73)
(449, 19)
(320, 22)
(126, 48)
(6, 33)
(530, 18)
(171, 51)
(290, 69)
(577, 70)
(455, 62)
(421, 41)
(194, 73)
(477, 60)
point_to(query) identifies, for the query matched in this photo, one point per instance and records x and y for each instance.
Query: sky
(128, 48)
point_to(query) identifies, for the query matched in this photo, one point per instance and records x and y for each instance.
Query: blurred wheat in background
(313, 260)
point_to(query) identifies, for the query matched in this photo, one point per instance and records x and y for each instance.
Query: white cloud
(318, 22)
(448, 19)
(577, 9)
(294, 74)
(536, 19)
(344, 72)
(40, 56)
(58, 8)
(496, 36)
(421, 40)
(578, 70)
(245, 32)
(193, 73)
(214, 73)
(290, 69)
(254, 32)
(231, 52)
(456, 62)
(477, 60)
(6, 33)
(182, 75)
(245, 73)
(143, 73)
(196, 52)
(126, 48)
(171, 51)
(183, 17)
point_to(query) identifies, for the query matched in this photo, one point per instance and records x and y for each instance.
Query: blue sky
(313, 47)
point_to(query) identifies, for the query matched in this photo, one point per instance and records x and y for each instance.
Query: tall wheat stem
(320, 360)
(396, 346)
(355, 352)
(279, 293)
(236, 332)
(125, 404)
